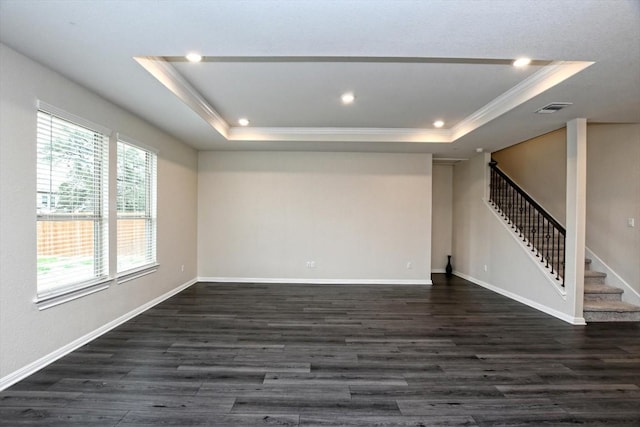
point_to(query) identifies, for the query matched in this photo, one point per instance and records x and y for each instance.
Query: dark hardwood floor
(321, 355)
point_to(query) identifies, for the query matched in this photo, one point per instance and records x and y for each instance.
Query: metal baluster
(547, 236)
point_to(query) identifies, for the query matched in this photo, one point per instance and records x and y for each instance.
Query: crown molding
(162, 70)
(551, 74)
(532, 86)
(339, 134)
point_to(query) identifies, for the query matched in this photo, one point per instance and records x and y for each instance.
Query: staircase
(603, 303)
(546, 239)
(542, 234)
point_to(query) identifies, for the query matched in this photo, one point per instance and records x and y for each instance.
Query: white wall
(27, 334)
(361, 217)
(481, 239)
(441, 231)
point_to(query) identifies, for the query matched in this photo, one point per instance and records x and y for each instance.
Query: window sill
(136, 273)
(55, 299)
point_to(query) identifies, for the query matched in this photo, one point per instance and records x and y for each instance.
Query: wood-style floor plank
(246, 355)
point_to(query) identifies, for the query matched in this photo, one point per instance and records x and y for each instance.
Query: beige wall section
(539, 165)
(27, 334)
(613, 188)
(470, 239)
(441, 231)
(613, 196)
(358, 216)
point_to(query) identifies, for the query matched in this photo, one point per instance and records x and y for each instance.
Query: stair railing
(535, 226)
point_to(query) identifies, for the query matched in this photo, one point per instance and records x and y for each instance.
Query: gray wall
(359, 216)
(27, 334)
(442, 216)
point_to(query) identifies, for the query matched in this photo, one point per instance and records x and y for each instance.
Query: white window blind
(136, 199)
(72, 186)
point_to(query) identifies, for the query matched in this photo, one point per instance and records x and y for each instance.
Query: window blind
(136, 200)
(72, 186)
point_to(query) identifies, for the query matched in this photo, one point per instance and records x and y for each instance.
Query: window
(72, 185)
(136, 199)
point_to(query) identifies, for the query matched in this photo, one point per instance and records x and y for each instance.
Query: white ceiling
(284, 65)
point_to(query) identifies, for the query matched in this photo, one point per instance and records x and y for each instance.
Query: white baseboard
(33, 367)
(629, 295)
(548, 310)
(290, 281)
(438, 270)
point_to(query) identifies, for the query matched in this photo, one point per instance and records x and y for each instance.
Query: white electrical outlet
(182, 267)
(311, 264)
(409, 265)
(631, 222)
(486, 267)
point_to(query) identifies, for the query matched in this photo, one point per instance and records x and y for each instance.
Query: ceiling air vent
(553, 107)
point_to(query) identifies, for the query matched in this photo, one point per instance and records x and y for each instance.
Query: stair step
(601, 303)
(611, 311)
(602, 293)
(594, 277)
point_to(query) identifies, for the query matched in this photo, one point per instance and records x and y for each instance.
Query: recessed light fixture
(348, 98)
(438, 123)
(521, 62)
(479, 150)
(193, 57)
(243, 121)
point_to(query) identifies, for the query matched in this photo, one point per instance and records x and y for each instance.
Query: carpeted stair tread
(614, 306)
(591, 273)
(601, 289)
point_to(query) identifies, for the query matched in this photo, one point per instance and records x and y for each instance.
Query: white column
(576, 215)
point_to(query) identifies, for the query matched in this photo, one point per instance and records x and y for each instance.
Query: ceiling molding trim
(549, 76)
(179, 86)
(340, 134)
(360, 59)
(534, 85)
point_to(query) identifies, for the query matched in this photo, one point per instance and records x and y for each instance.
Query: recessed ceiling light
(521, 62)
(479, 150)
(243, 122)
(348, 98)
(438, 123)
(194, 57)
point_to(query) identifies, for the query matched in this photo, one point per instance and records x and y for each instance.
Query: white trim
(438, 270)
(75, 119)
(549, 76)
(629, 295)
(290, 281)
(45, 301)
(340, 134)
(33, 367)
(533, 304)
(550, 277)
(159, 68)
(136, 273)
(543, 80)
(120, 137)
